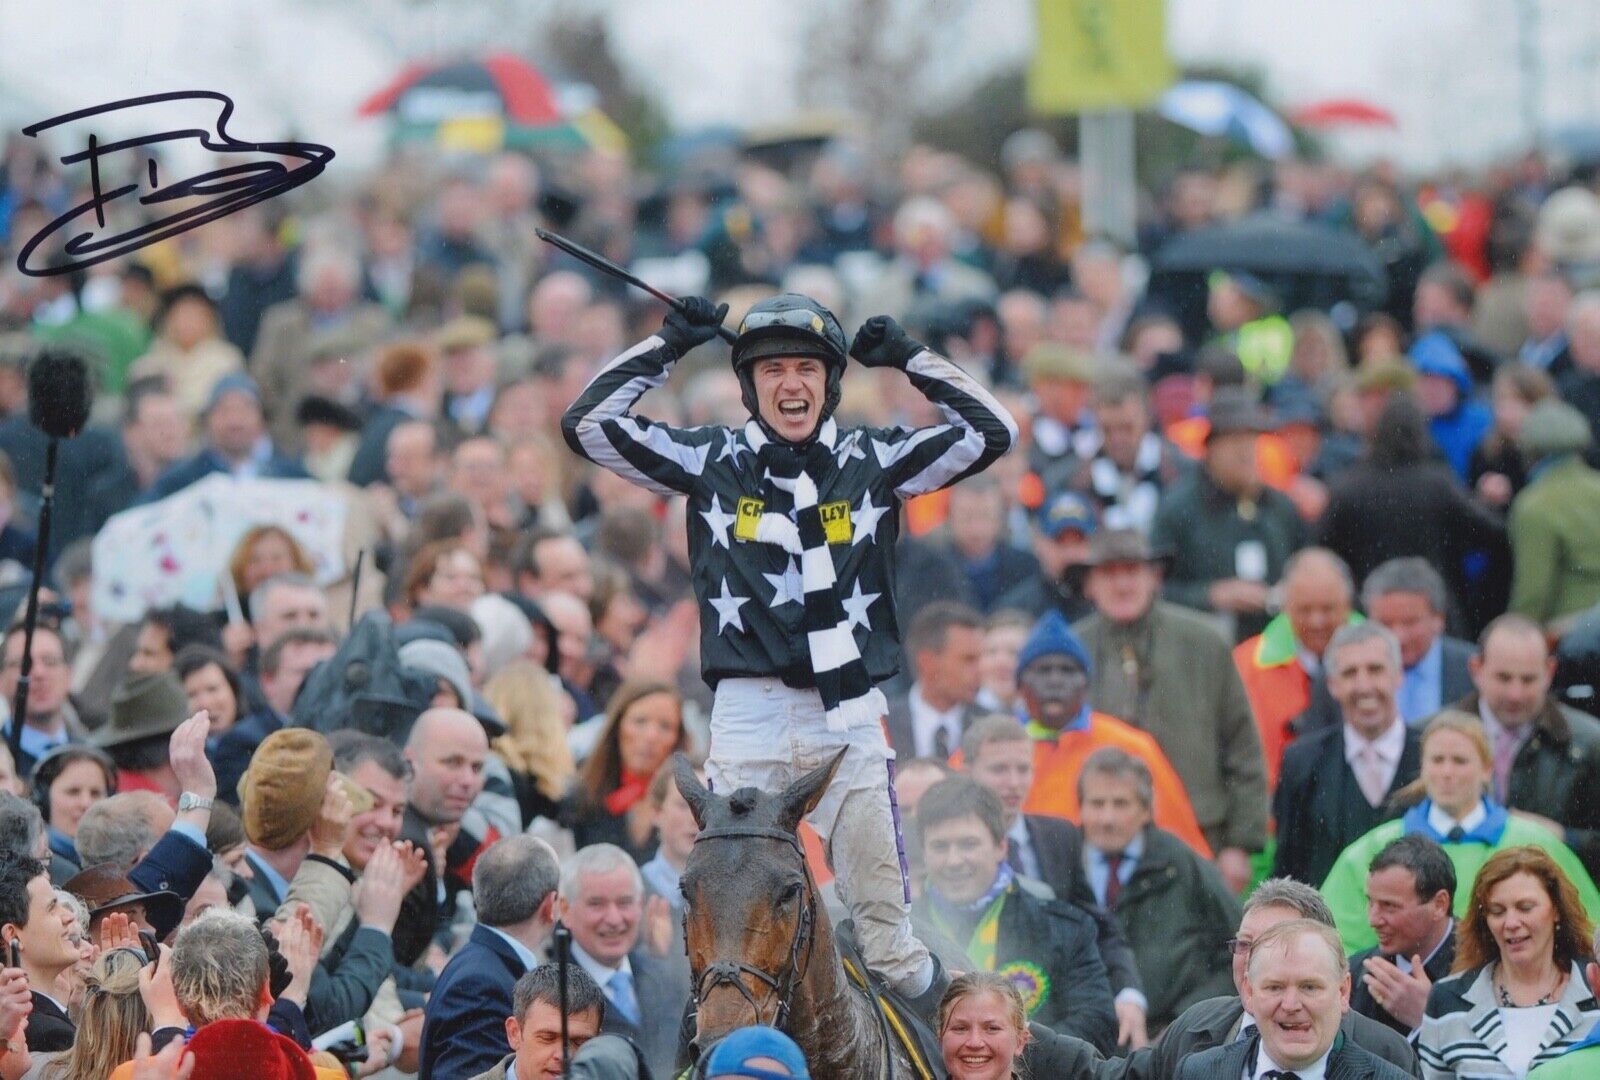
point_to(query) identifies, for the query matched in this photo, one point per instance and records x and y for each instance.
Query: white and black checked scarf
(791, 481)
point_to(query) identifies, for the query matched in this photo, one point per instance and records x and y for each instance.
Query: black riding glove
(882, 343)
(696, 323)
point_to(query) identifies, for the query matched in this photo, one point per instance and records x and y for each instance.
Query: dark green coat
(1202, 528)
(1177, 912)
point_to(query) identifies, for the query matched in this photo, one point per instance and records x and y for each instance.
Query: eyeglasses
(1237, 946)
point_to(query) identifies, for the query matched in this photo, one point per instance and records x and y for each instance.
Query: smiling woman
(982, 1027)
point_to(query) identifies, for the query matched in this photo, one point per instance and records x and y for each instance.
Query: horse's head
(750, 905)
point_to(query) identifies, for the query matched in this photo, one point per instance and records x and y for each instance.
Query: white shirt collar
(1310, 662)
(1389, 745)
(1019, 831)
(1317, 1070)
(598, 971)
(1442, 822)
(525, 954)
(926, 720)
(1403, 962)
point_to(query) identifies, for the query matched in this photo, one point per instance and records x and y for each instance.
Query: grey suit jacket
(1213, 1023)
(662, 988)
(1350, 1062)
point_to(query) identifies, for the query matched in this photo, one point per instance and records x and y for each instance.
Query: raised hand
(695, 323)
(190, 765)
(882, 342)
(332, 826)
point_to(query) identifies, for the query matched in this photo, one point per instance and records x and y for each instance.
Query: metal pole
(1105, 152)
(19, 707)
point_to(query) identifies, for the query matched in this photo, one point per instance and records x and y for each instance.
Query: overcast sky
(1448, 68)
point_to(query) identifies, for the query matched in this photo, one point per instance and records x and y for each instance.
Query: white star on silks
(856, 604)
(728, 606)
(717, 520)
(732, 449)
(787, 587)
(850, 448)
(865, 520)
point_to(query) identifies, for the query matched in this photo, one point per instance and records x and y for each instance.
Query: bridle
(780, 986)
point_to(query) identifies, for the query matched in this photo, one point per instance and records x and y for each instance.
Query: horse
(761, 947)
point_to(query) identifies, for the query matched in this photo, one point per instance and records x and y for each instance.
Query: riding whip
(58, 405)
(563, 943)
(606, 266)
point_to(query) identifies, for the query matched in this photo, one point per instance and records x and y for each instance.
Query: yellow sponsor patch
(746, 517)
(835, 522)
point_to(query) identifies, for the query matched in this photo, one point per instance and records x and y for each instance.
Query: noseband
(780, 986)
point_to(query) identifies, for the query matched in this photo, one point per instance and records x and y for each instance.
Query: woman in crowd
(536, 715)
(188, 351)
(210, 683)
(446, 573)
(109, 1021)
(1516, 997)
(66, 782)
(644, 725)
(982, 1027)
(1449, 803)
(265, 551)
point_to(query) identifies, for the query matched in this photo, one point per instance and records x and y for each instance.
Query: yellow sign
(746, 517)
(1098, 54)
(835, 522)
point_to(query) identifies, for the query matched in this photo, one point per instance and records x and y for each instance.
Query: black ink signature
(224, 190)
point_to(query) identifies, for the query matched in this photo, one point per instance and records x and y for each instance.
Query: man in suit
(534, 1027)
(974, 536)
(1172, 903)
(945, 644)
(463, 1029)
(1296, 989)
(1410, 887)
(1220, 1021)
(1336, 784)
(602, 901)
(29, 916)
(999, 755)
(1546, 755)
(235, 442)
(1408, 596)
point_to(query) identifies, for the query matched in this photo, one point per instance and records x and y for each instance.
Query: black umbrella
(1308, 265)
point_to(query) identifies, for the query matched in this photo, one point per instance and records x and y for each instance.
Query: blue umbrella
(1222, 109)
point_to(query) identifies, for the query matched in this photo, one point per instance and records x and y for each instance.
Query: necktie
(1014, 854)
(1505, 753)
(1456, 835)
(1113, 880)
(620, 987)
(1277, 1074)
(941, 742)
(1369, 774)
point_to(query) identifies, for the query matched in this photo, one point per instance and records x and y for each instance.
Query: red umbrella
(519, 93)
(1342, 112)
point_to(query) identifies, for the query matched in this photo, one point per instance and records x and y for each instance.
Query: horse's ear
(689, 786)
(805, 793)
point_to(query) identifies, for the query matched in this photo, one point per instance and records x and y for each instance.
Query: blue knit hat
(233, 383)
(1052, 636)
(728, 1057)
(1435, 354)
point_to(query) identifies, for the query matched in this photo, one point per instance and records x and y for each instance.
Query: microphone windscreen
(58, 393)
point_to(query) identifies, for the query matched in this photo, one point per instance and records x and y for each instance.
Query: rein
(780, 986)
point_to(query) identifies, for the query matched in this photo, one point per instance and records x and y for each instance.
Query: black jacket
(1375, 514)
(1319, 807)
(1216, 1022)
(175, 864)
(1556, 773)
(1051, 944)
(1349, 1062)
(1058, 846)
(758, 627)
(421, 913)
(1361, 1000)
(1177, 912)
(48, 1027)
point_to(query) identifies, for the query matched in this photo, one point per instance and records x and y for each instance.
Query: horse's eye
(791, 893)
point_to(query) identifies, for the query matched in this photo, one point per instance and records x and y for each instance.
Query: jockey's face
(790, 391)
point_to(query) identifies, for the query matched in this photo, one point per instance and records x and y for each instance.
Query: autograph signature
(192, 201)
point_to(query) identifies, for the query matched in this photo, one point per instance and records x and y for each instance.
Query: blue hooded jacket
(1459, 431)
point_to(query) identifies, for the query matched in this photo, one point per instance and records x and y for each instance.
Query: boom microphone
(58, 393)
(58, 405)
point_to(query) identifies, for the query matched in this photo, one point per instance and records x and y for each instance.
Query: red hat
(230, 1049)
